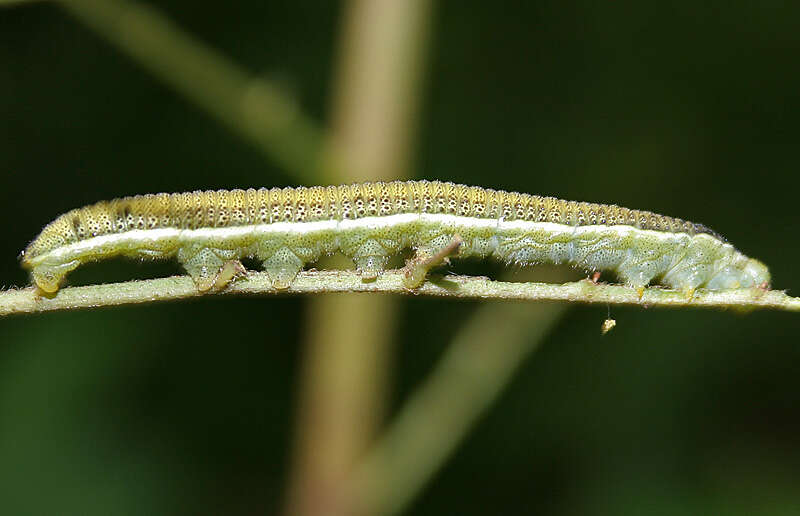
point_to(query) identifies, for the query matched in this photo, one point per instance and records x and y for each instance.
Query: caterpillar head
(48, 277)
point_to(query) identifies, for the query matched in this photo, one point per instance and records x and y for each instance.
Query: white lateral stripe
(145, 236)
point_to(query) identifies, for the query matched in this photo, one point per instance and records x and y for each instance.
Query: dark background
(685, 108)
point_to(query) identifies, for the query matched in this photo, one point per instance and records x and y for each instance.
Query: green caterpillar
(286, 228)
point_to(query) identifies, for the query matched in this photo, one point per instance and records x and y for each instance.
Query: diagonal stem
(252, 107)
(476, 367)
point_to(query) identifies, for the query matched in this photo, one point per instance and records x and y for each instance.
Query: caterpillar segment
(209, 232)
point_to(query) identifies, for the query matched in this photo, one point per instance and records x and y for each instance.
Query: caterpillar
(286, 228)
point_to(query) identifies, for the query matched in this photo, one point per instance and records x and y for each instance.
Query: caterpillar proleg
(286, 228)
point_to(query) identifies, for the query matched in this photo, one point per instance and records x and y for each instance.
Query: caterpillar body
(286, 228)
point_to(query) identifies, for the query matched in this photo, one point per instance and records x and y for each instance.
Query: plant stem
(348, 348)
(26, 300)
(475, 368)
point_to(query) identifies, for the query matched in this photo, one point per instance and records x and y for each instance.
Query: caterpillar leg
(687, 277)
(230, 270)
(637, 276)
(47, 278)
(282, 267)
(428, 257)
(208, 270)
(371, 259)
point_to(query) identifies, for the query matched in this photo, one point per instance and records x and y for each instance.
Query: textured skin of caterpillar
(286, 228)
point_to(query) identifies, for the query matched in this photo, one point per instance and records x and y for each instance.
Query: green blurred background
(684, 108)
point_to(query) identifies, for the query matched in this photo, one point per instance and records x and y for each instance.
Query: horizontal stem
(466, 287)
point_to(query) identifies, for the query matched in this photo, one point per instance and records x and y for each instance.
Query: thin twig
(17, 301)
